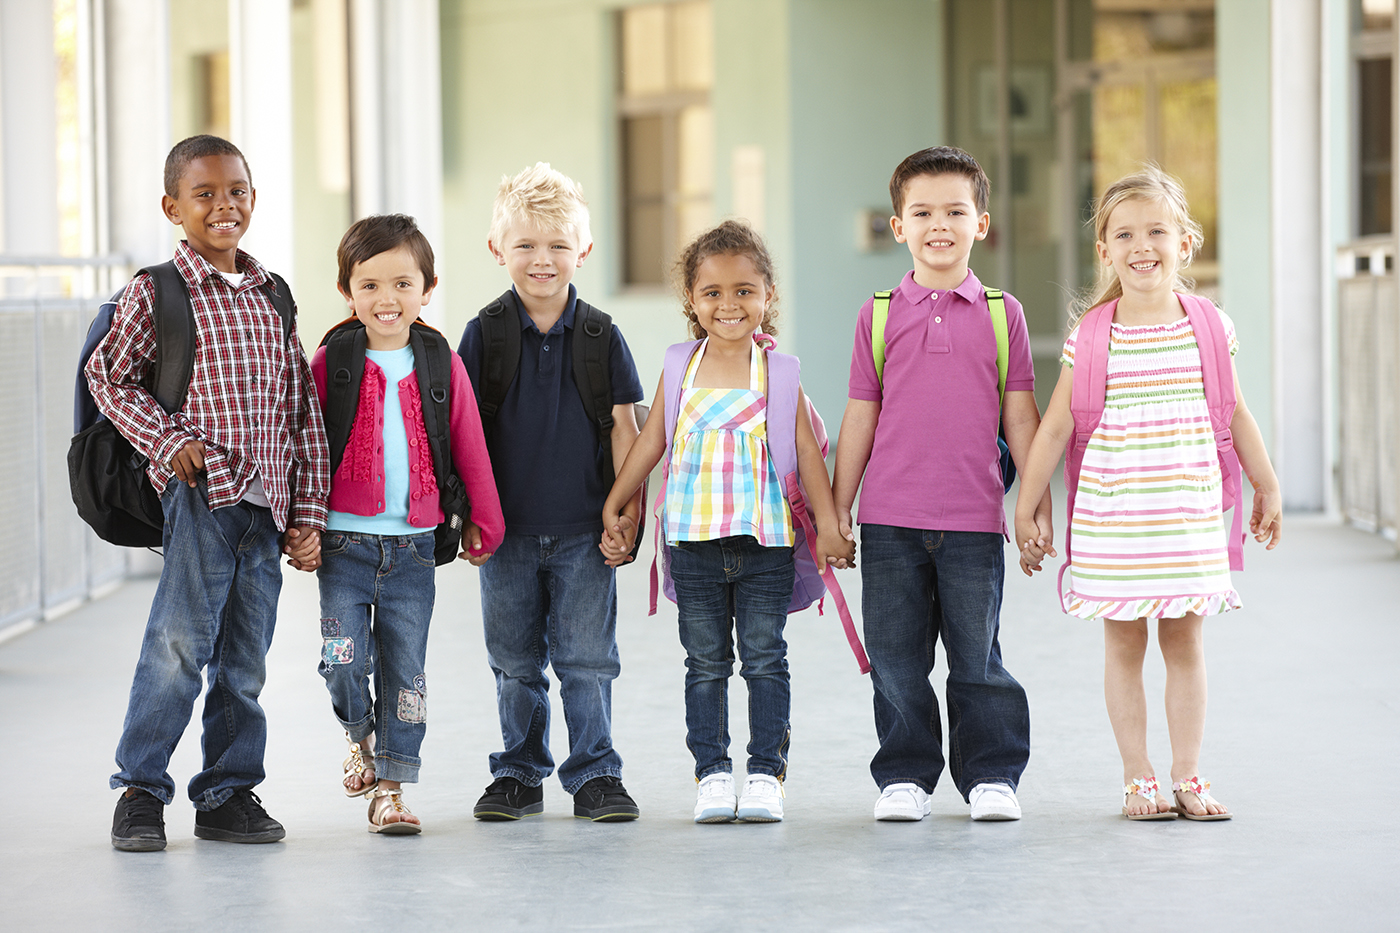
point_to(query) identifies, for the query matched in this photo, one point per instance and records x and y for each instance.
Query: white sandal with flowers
(1145, 787)
(360, 760)
(382, 802)
(1194, 785)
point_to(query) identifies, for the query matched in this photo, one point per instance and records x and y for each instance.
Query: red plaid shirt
(251, 401)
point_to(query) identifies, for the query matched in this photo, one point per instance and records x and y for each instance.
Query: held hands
(1266, 522)
(619, 534)
(471, 541)
(835, 549)
(301, 544)
(188, 462)
(1035, 538)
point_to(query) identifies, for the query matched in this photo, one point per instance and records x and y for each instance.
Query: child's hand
(188, 462)
(835, 550)
(302, 545)
(471, 541)
(1267, 519)
(843, 522)
(618, 537)
(1033, 542)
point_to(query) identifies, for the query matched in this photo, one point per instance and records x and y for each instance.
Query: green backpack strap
(997, 306)
(880, 314)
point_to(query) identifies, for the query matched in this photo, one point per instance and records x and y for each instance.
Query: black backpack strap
(592, 343)
(175, 336)
(280, 294)
(432, 358)
(500, 355)
(345, 370)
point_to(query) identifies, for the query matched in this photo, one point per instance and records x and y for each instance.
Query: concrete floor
(1301, 742)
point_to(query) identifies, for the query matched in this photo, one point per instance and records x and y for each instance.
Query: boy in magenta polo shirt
(933, 524)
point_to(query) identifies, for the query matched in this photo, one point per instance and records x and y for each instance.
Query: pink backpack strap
(1086, 399)
(673, 374)
(801, 513)
(1218, 382)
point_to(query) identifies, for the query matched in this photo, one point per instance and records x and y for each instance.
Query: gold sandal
(1145, 787)
(360, 760)
(384, 800)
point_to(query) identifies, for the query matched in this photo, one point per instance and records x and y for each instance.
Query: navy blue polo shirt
(544, 451)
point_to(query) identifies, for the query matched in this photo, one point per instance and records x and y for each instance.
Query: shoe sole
(137, 844)
(996, 817)
(608, 815)
(397, 828)
(226, 835)
(759, 816)
(492, 814)
(716, 816)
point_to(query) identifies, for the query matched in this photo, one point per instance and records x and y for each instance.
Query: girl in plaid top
(728, 526)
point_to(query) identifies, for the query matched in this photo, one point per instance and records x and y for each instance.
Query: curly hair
(731, 238)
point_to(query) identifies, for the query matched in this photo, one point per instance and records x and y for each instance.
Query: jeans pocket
(334, 542)
(421, 546)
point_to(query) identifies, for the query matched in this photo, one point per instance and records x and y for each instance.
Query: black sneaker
(605, 800)
(139, 823)
(508, 799)
(241, 818)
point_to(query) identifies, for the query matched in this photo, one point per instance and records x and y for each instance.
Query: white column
(1296, 244)
(260, 113)
(29, 173)
(137, 84)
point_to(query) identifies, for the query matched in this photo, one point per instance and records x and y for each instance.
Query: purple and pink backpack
(810, 585)
(1086, 402)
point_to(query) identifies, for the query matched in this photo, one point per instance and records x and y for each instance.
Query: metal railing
(52, 560)
(1368, 345)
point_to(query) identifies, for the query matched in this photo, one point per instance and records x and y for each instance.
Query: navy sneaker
(241, 818)
(139, 823)
(508, 799)
(605, 800)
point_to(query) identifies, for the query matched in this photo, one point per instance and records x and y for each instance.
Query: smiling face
(730, 297)
(1144, 244)
(541, 262)
(214, 205)
(940, 222)
(387, 293)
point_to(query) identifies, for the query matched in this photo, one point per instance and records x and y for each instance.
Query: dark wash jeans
(919, 586)
(215, 608)
(725, 587)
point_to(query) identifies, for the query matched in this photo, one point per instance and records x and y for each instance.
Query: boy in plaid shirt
(243, 474)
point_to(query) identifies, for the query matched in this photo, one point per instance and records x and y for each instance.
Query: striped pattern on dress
(721, 481)
(1149, 536)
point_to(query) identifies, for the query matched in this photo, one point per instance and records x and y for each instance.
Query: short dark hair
(197, 147)
(382, 233)
(940, 160)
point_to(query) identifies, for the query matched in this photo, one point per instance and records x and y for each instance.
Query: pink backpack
(809, 584)
(1090, 387)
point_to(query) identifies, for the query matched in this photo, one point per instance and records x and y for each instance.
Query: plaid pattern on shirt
(250, 401)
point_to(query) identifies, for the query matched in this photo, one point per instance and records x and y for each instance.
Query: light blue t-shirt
(397, 365)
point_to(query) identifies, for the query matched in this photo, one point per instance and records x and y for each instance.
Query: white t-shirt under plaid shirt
(721, 481)
(250, 400)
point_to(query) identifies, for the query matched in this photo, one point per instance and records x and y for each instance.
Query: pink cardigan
(354, 487)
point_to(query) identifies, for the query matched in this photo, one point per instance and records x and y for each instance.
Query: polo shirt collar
(970, 290)
(565, 320)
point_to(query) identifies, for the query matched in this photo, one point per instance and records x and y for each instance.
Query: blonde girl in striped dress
(728, 525)
(1149, 536)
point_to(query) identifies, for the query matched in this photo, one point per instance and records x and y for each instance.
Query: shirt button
(417, 496)
(414, 468)
(413, 443)
(938, 320)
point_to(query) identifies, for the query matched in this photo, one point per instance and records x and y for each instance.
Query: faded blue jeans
(725, 587)
(215, 608)
(551, 600)
(918, 587)
(376, 602)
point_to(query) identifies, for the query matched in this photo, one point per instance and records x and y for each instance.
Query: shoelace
(143, 808)
(249, 804)
(717, 790)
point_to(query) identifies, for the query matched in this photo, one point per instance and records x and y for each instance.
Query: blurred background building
(1278, 115)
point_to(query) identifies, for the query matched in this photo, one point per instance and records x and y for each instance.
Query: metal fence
(52, 560)
(1368, 332)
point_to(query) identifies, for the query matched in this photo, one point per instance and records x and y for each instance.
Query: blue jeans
(215, 607)
(550, 599)
(919, 586)
(723, 587)
(376, 601)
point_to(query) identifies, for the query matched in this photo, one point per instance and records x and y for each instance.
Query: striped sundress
(721, 480)
(1149, 538)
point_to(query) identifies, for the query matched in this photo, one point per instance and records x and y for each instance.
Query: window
(1375, 174)
(667, 132)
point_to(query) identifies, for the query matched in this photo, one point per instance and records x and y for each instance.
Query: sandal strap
(395, 802)
(1192, 785)
(1143, 787)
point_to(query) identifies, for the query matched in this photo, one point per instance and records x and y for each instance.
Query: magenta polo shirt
(934, 465)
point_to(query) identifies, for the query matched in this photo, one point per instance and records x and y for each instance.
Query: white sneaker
(715, 802)
(762, 801)
(906, 802)
(994, 802)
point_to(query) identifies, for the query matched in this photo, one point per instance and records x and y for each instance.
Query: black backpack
(106, 475)
(592, 345)
(432, 364)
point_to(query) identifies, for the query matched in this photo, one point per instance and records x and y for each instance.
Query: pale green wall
(1242, 66)
(867, 90)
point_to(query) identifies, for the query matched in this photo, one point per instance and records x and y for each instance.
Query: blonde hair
(542, 197)
(1148, 184)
